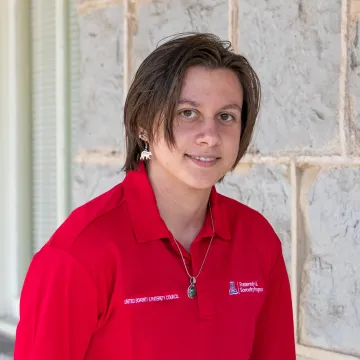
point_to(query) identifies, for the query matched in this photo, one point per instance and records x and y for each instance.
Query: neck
(184, 218)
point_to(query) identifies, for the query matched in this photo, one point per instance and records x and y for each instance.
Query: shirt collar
(144, 214)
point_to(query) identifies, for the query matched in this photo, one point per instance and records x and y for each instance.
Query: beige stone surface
(296, 49)
(162, 18)
(330, 297)
(101, 42)
(91, 180)
(355, 8)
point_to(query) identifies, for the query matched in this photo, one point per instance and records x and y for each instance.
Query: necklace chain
(193, 278)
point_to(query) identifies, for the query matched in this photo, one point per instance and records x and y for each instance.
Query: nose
(209, 133)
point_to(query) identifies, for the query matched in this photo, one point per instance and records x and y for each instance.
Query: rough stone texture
(295, 48)
(267, 190)
(159, 19)
(101, 42)
(354, 87)
(330, 299)
(92, 180)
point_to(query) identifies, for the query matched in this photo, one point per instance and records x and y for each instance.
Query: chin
(201, 182)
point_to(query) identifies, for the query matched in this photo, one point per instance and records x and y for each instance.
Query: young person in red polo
(162, 266)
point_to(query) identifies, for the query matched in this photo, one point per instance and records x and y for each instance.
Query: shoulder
(83, 247)
(93, 215)
(87, 235)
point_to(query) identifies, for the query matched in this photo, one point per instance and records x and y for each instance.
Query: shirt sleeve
(58, 309)
(274, 333)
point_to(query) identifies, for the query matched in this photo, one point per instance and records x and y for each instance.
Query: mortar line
(233, 24)
(127, 47)
(113, 155)
(294, 243)
(343, 76)
(127, 57)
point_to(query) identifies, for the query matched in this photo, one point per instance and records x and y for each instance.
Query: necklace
(191, 291)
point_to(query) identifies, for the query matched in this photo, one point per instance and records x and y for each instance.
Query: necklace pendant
(191, 291)
(192, 288)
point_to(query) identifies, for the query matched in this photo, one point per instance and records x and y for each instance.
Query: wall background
(303, 170)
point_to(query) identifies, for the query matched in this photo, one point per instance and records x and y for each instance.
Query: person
(162, 266)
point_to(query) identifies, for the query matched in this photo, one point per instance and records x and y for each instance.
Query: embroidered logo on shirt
(239, 287)
(233, 290)
(147, 299)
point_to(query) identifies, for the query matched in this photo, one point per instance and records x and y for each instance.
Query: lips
(203, 158)
(203, 161)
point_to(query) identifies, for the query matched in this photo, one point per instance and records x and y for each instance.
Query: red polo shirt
(110, 284)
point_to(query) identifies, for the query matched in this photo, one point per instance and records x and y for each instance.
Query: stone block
(330, 295)
(159, 19)
(101, 42)
(295, 47)
(91, 180)
(265, 188)
(354, 87)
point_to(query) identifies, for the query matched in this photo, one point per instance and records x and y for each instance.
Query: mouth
(203, 160)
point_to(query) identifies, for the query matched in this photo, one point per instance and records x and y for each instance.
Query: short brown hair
(156, 88)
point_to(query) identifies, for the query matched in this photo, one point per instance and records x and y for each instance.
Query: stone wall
(303, 169)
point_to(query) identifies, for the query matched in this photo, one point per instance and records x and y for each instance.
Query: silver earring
(145, 154)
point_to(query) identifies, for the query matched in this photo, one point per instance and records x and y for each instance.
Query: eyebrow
(233, 106)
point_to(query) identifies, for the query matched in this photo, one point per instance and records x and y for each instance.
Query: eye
(226, 117)
(188, 114)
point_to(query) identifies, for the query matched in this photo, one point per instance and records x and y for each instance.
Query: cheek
(163, 153)
(181, 136)
(231, 140)
(157, 149)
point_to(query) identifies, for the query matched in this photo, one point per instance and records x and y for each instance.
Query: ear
(143, 134)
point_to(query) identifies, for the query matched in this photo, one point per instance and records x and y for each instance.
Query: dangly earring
(145, 154)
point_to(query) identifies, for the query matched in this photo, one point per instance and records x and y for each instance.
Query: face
(206, 129)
